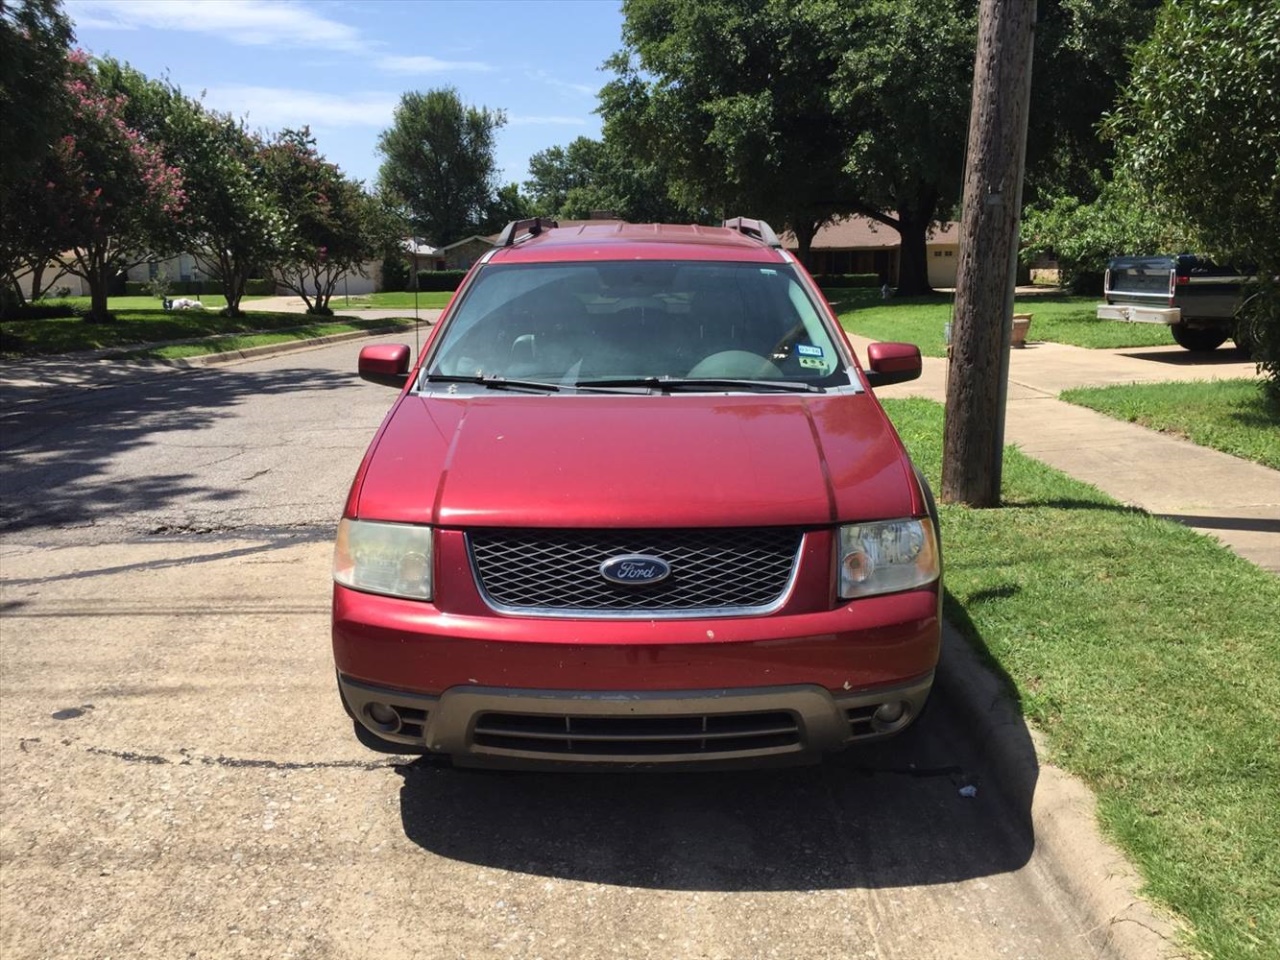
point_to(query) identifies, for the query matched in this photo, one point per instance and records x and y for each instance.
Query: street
(179, 778)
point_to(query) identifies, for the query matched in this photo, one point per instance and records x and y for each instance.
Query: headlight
(390, 558)
(886, 557)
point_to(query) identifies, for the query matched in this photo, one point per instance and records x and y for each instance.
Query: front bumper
(489, 726)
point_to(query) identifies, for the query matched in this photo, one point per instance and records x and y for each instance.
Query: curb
(1096, 876)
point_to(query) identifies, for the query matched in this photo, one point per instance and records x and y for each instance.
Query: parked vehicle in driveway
(637, 505)
(1198, 299)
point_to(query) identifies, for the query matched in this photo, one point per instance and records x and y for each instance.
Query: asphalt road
(178, 779)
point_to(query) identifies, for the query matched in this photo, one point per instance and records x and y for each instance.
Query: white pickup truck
(1195, 297)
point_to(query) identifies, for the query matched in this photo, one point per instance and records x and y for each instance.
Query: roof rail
(523, 229)
(754, 228)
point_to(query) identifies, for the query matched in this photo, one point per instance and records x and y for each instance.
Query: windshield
(573, 324)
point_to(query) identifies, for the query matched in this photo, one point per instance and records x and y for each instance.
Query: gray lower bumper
(522, 728)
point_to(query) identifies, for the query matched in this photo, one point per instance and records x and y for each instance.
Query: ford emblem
(635, 570)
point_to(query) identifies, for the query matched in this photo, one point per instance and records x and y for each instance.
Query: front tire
(1198, 339)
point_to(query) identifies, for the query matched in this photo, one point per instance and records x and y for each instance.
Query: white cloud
(427, 64)
(581, 89)
(546, 121)
(276, 107)
(282, 23)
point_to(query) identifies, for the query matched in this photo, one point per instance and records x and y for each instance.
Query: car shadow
(889, 814)
(1187, 358)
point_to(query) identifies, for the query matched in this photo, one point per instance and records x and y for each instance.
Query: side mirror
(385, 363)
(892, 363)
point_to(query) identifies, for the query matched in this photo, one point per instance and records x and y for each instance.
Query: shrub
(260, 287)
(320, 311)
(440, 280)
(45, 310)
(395, 273)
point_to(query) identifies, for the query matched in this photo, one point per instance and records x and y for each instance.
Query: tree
(232, 223)
(333, 226)
(115, 200)
(1083, 236)
(556, 171)
(35, 37)
(1199, 126)
(589, 176)
(825, 106)
(439, 163)
(727, 99)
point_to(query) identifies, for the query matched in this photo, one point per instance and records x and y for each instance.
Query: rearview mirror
(892, 363)
(385, 363)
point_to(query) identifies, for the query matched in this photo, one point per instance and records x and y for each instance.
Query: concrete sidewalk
(1222, 496)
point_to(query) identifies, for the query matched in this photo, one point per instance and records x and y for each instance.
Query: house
(461, 254)
(862, 245)
(421, 255)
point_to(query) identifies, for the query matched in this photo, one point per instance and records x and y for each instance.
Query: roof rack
(523, 230)
(754, 228)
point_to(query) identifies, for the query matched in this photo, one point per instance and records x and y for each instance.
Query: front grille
(557, 572)
(545, 734)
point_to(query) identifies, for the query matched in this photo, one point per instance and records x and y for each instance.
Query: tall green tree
(438, 162)
(35, 38)
(723, 98)
(800, 109)
(1199, 126)
(589, 176)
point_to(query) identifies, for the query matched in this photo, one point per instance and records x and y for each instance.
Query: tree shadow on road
(58, 456)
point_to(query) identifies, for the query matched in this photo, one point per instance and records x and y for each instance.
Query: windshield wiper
(492, 382)
(678, 384)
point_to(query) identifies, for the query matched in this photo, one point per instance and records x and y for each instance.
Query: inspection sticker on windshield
(806, 350)
(813, 362)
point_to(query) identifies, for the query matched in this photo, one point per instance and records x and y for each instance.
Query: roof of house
(863, 233)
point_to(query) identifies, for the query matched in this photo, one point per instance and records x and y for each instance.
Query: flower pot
(1021, 324)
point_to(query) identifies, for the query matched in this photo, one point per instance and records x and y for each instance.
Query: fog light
(891, 715)
(385, 717)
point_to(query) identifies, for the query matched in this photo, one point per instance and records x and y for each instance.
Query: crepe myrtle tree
(331, 226)
(236, 222)
(231, 220)
(113, 197)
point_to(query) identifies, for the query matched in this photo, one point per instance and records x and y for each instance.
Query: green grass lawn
(427, 300)
(134, 328)
(1149, 656)
(212, 301)
(1228, 415)
(1058, 318)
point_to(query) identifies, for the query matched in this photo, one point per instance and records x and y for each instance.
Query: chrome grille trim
(704, 563)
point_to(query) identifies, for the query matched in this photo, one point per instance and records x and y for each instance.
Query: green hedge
(839, 280)
(438, 280)
(42, 311)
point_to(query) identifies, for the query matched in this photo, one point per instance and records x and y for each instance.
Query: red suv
(636, 505)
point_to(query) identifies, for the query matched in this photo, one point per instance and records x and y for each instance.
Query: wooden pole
(973, 440)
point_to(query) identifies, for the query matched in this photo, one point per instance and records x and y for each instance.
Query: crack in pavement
(189, 759)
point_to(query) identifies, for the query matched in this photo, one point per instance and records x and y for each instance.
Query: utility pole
(973, 440)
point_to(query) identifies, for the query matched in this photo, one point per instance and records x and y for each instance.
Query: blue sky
(340, 66)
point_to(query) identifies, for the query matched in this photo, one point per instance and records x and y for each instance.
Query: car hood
(621, 461)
